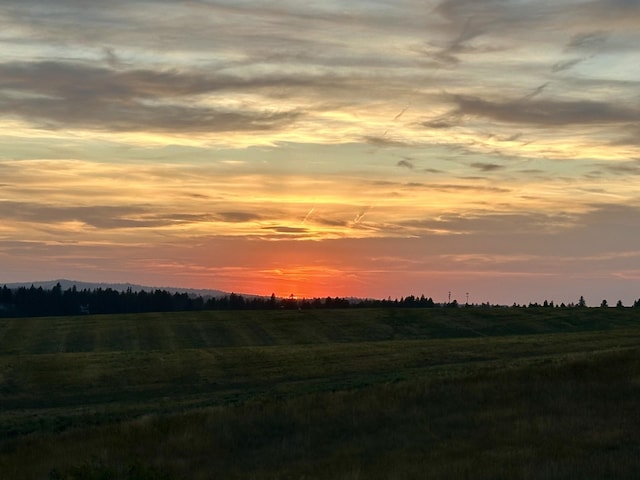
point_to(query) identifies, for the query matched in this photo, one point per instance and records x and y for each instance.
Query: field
(537, 393)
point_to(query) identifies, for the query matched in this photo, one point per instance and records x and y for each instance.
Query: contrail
(401, 112)
(536, 92)
(308, 215)
(361, 214)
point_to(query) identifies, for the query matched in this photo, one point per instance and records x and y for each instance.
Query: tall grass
(569, 419)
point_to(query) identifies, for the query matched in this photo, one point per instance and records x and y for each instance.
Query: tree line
(37, 301)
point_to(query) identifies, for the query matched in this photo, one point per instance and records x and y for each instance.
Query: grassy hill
(455, 393)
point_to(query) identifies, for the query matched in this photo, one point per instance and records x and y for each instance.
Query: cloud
(536, 91)
(406, 164)
(631, 167)
(53, 95)
(587, 41)
(329, 222)
(287, 230)
(566, 64)
(383, 141)
(516, 230)
(546, 112)
(97, 216)
(488, 230)
(140, 118)
(603, 218)
(450, 122)
(590, 42)
(78, 81)
(487, 167)
(442, 187)
(111, 58)
(629, 135)
(467, 27)
(615, 13)
(239, 216)
(358, 218)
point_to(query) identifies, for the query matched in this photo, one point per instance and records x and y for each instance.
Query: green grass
(176, 331)
(465, 393)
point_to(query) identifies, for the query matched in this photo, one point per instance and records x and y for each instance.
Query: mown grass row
(57, 391)
(557, 419)
(176, 331)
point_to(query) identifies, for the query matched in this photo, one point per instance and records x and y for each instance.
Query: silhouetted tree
(6, 296)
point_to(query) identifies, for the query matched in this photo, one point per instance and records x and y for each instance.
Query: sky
(381, 148)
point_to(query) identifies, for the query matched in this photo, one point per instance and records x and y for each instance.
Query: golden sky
(360, 148)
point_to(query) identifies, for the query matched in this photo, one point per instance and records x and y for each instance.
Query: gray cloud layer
(56, 94)
(115, 217)
(152, 66)
(96, 216)
(547, 112)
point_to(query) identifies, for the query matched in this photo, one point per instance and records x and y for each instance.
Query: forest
(36, 301)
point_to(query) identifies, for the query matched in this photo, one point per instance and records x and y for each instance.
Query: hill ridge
(121, 287)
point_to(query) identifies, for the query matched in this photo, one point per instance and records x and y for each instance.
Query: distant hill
(121, 287)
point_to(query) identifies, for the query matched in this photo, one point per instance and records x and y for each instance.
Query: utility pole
(449, 296)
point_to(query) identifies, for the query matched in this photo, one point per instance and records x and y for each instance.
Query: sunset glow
(356, 148)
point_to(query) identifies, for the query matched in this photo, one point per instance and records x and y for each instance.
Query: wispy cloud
(587, 41)
(566, 64)
(487, 167)
(406, 164)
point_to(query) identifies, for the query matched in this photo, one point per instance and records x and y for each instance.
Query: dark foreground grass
(55, 392)
(556, 419)
(466, 393)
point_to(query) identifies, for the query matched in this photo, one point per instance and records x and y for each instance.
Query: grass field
(398, 393)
